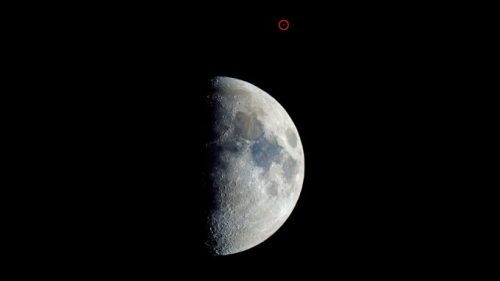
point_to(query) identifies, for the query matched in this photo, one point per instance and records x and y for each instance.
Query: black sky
(365, 86)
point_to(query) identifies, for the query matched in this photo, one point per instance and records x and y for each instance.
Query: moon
(256, 166)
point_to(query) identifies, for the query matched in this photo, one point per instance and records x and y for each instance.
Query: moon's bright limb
(257, 166)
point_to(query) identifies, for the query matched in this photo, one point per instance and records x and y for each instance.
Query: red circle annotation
(283, 25)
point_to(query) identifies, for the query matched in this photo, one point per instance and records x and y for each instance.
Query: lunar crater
(273, 189)
(290, 168)
(291, 138)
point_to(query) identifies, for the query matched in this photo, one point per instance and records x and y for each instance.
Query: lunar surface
(256, 166)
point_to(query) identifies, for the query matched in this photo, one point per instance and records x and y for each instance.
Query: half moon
(256, 166)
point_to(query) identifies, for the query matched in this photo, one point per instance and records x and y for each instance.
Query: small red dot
(283, 25)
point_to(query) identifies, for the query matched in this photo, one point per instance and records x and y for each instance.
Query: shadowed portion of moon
(255, 166)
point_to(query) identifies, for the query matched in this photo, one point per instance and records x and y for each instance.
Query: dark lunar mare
(265, 151)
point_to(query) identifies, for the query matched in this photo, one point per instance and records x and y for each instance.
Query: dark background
(122, 136)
